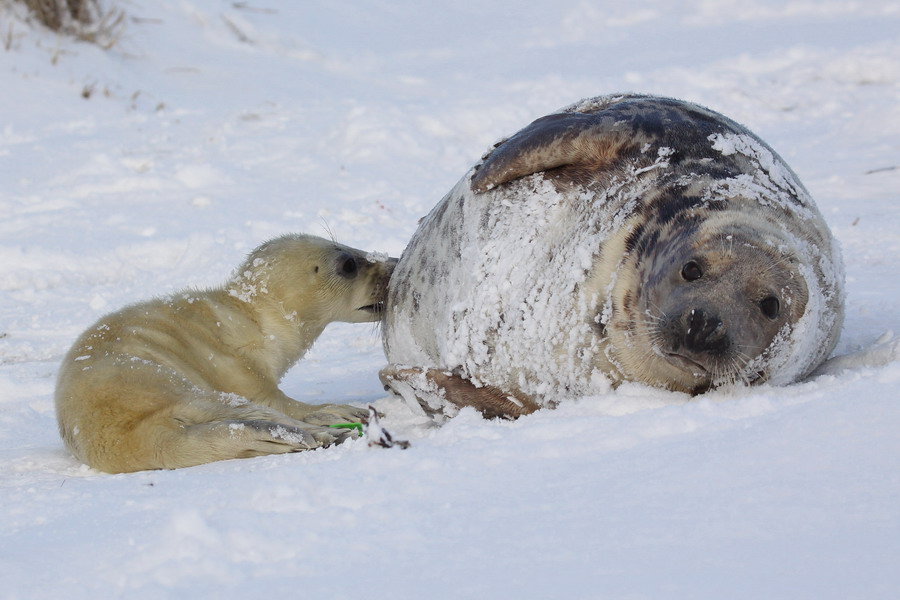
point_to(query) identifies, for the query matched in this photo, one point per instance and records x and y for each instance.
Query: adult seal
(624, 238)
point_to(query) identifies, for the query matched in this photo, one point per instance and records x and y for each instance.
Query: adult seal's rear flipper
(596, 135)
(430, 389)
(551, 142)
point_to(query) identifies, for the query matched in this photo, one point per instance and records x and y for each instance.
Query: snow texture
(212, 126)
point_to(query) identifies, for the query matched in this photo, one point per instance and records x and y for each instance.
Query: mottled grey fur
(709, 263)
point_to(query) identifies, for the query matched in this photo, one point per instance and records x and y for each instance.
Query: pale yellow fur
(193, 378)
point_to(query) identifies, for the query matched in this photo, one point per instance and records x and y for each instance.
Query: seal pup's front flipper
(223, 440)
(203, 430)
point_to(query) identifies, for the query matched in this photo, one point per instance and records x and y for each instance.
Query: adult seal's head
(703, 300)
(626, 238)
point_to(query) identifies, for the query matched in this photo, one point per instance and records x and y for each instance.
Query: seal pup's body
(193, 378)
(626, 238)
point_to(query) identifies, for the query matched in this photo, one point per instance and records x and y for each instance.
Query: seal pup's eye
(347, 266)
(770, 306)
(691, 271)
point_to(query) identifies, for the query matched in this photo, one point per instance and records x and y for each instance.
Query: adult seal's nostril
(705, 332)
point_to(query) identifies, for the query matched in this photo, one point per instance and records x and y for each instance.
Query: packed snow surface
(211, 126)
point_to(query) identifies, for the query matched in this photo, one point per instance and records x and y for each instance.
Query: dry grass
(86, 20)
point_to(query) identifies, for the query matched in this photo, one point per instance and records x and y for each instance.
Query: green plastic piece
(357, 426)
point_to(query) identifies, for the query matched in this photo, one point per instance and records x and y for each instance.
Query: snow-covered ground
(213, 125)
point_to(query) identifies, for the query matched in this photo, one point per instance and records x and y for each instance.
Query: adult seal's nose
(705, 332)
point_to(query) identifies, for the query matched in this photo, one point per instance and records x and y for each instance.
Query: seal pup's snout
(380, 268)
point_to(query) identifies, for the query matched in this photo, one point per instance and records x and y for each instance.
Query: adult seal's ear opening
(624, 238)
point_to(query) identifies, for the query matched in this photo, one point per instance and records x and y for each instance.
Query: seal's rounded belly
(625, 238)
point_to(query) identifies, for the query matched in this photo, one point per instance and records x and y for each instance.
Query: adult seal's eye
(691, 271)
(770, 306)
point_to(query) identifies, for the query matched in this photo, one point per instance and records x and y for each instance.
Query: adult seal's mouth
(687, 364)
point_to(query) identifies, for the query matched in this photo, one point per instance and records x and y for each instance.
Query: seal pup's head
(311, 279)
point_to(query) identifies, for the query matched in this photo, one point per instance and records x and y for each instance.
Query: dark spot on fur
(700, 117)
(649, 124)
(634, 237)
(676, 158)
(670, 205)
(438, 213)
(686, 224)
(447, 229)
(647, 242)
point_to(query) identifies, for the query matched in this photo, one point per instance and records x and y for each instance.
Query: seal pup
(624, 238)
(193, 378)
